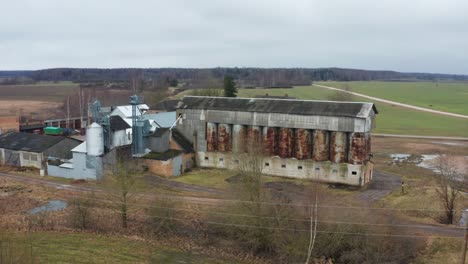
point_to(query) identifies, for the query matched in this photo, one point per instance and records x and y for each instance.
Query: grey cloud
(424, 36)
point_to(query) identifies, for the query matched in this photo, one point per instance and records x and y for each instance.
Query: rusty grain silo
(211, 136)
(302, 141)
(359, 146)
(254, 137)
(321, 145)
(224, 137)
(285, 142)
(238, 138)
(270, 141)
(338, 147)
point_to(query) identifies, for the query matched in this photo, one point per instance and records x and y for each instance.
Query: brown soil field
(29, 108)
(387, 145)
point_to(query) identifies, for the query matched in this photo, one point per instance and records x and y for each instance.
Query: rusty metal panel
(224, 137)
(238, 138)
(302, 144)
(338, 147)
(359, 147)
(211, 137)
(285, 142)
(269, 140)
(321, 145)
(253, 134)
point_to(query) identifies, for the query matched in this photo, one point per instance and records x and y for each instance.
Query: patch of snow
(398, 157)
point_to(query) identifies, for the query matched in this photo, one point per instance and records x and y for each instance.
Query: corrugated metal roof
(166, 119)
(126, 110)
(183, 142)
(284, 106)
(28, 142)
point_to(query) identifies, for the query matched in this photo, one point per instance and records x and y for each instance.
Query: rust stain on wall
(224, 137)
(359, 147)
(253, 136)
(269, 141)
(211, 138)
(285, 142)
(238, 138)
(302, 144)
(321, 145)
(338, 146)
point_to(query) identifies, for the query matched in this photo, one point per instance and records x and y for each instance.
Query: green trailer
(54, 131)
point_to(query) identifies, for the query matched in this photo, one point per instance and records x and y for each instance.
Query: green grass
(391, 119)
(53, 92)
(444, 96)
(216, 178)
(51, 247)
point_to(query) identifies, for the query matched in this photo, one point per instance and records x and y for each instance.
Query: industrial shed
(32, 150)
(322, 140)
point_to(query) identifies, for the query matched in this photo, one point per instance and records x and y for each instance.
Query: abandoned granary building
(323, 140)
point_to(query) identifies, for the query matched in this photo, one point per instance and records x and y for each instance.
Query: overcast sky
(402, 35)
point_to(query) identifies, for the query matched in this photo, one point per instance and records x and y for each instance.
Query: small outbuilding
(32, 150)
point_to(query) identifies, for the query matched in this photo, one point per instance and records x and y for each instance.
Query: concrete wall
(84, 167)
(158, 144)
(21, 158)
(304, 169)
(120, 138)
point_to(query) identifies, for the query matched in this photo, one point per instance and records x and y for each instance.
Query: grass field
(391, 119)
(50, 247)
(443, 96)
(42, 91)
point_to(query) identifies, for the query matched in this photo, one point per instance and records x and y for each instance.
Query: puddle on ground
(430, 161)
(398, 157)
(52, 205)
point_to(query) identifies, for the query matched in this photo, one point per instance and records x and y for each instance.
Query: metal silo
(254, 137)
(211, 136)
(359, 147)
(302, 144)
(285, 142)
(94, 140)
(321, 145)
(269, 140)
(338, 146)
(238, 138)
(224, 137)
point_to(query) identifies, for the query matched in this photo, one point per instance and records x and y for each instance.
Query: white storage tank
(94, 140)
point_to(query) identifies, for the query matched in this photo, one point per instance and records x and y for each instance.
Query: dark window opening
(354, 172)
(267, 164)
(283, 166)
(221, 159)
(299, 167)
(206, 158)
(317, 169)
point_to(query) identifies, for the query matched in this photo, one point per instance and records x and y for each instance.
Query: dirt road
(395, 103)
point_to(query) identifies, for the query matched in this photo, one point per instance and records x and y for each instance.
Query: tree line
(204, 78)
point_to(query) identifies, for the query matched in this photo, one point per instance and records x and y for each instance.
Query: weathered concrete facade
(326, 141)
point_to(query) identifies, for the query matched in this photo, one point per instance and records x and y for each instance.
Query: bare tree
(80, 215)
(122, 181)
(449, 181)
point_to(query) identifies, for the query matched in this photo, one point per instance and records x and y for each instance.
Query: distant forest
(212, 77)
